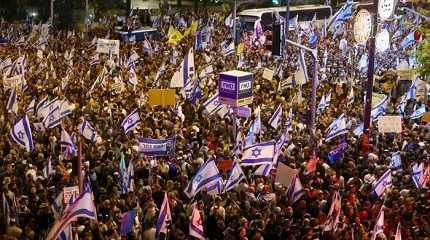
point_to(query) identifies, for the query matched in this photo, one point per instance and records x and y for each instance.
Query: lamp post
(286, 27)
(314, 53)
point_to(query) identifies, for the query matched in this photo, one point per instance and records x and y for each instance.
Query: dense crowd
(259, 208)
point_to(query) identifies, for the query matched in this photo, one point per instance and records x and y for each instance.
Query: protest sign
(267, 74)
(161, 97)
(284, 174)
(70, 192)
(390, 124)
(107, 46)
(157, 147)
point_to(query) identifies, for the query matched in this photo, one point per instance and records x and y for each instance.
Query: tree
(423, 51)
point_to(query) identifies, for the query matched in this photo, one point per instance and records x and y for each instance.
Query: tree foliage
(423, 51)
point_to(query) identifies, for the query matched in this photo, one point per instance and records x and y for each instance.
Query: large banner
(157, 147)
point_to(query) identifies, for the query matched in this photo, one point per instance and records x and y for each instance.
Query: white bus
(267, 16)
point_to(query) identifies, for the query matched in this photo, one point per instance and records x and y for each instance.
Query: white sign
(70, 192)
(386, 9)
(268, 74)
(362, 26)
(390, 124)
(382, 41)
(13, 82)
(107, 46)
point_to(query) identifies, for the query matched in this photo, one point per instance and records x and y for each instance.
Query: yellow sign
(161, 97)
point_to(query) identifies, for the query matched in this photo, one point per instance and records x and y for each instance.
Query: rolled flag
(418, 175)
(127, 222)
(147, 48)
(276, 118)
(87, 131)
(21, 133)
(263, 170)
(334, 213)
(383, 182)
(350, 97)
(418, 112)
(133, 59)
(412, 91)
(47, 169)
(321, 105)
(236, 175)
(398, 235)
(379, 225)
(196, 225)
(261, 153)
(164, 217)
(68, 145)
(95, 60)
(128, 179)
(30, 107)
(130, 122)
(206, 177)
(338, 127)
(12, 103)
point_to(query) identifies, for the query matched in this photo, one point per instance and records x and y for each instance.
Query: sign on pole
(386, 8)
(235, 88)
(362, 26)
(70, 192)
(107, 46)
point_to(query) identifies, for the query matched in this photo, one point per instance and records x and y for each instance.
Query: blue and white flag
(212, 105)
(66, 108)
(261, 153)
(128, 179)
(196, 224)
(132, 78)
(313, 39)
(379, 109)
(207, 176)
(95, 60)
(47, 169)
(383, 182)
(396, 161)
(289, 120)
(53, 118)
(21, 133)
(130, 122)
(379, 224)
(133, 60)
(157, 147)
(236, 175)
(227, 47)
(30, 107)
(301, 75)
(164, 217)
(254, 129)
(87, 131)
(418, 112)
(160, 72)
(418, 176)
(276, 118)
(48, 106)
(334, 213)
(147, 48)
(295, 190)
(342, 15)
(408, 40)
(338, 152)
(323, 104)
(263, 170)
(229, 21)
(412, 91)
(82, 207)
(350, 97)
(66, 143)
(337, 128)
(12, 103)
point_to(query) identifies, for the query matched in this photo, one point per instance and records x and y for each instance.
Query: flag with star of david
(131, 121)
(206, 177)
(53, 118)
(261, 153)
(21, 133)
(336, 128)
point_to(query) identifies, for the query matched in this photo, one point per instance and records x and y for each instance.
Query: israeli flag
(130, 122)
(334, 213)
(343, 15)
(95, 60)
(261, 153)
(47, 169)
(196, 224)
(227, 47)
(53, 118)
(418, 175)
(206, 176)
(408, 40)
(133, 59)
(31, 106)
(412, 91)
(66, 108)
(396, 161)
(68, 145)
(87, 131)
(302, 73)
(337, 128)
(21, 133)
(321, 105)
(212, 105)
(132, 78)
(289, 121)
(48, 107)
(12, 103)
(379, 109)
(164, 217)
(263, 170)
(418, 112)
(276, 118)
(350, 97)
(313, 39)
(128, 180)
(379, 225)
(295, 190)
(236, 175)
(160, 72)
(383, 182)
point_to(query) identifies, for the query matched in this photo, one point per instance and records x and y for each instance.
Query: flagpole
(79, 165)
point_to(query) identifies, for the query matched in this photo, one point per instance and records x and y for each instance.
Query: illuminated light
(362, 26)
(382, 41)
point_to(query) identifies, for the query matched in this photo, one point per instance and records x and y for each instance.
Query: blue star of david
(51, 118)
(334, 128)
(256, 152)
(20, 135)
(199, 178)
(130, 120)
(216, 102)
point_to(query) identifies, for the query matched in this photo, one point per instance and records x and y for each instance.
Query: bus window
(323, 13)
(247, 22)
